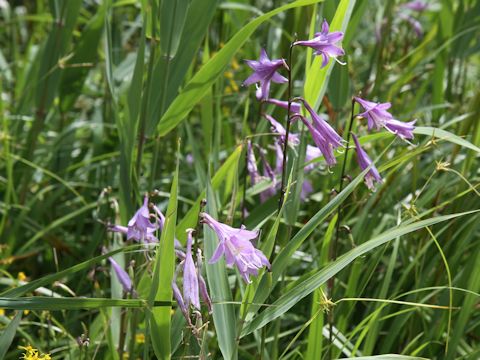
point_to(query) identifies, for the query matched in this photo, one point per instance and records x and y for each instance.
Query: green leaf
(224, 317)
(305, 287)
(445, 135)
(78, 66)
(74, 303)
(9, 333)
(49, 279)
(161, 289)
(198, 86)
(388, 357)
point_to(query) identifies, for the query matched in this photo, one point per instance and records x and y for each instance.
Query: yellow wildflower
(235, 65)
(32, 354)
(2, 312)
(21, 276)
(140, 338)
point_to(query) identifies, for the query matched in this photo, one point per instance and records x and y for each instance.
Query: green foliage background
(94, 97)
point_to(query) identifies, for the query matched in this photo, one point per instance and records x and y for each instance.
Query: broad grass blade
(161, 290)
(306, 287)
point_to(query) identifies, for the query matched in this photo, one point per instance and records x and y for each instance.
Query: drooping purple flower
(265, 71)
(179, 299)
(416, 5)
(295, 107)
(190, 276)
(139, 226)
(325, 147)
(378, 117)
(364, 162)
(122, 276)
(323, 127)
(252, 164)
(293, 139)
(324, 44)
(236, 245)
(400, 128)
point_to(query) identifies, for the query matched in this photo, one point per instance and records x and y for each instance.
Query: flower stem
(287, 128)
(333, 246)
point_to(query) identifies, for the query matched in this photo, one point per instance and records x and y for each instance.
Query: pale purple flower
(255, 177)
(122, 276)
(325, 147)
(236, 245)
(190, 276)
(324, 44)
(252, 164)
(149, 237)
(416, 5)
(378, 117)
(179, 299)
(364, 162)
(269, 173)
(265, 71)
(293, 139)
(139, 226)
(295, 107)
(323, 127)
(312, 153)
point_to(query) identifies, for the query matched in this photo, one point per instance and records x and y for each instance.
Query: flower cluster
(324, 136)
(32, 354)
(194, 285)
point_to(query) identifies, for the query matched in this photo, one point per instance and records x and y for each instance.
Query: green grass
(104, 101)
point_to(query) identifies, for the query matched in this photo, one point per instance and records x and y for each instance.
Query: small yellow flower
(21, 276)
(228, 74)
(228, 90)
(2, 312)
(32, 354)
(26, 312)
(140, 338)
(235, 65)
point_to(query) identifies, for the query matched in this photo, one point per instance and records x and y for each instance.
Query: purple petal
(122, 275)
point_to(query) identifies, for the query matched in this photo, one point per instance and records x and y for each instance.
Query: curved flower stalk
(414, 23)
(295, 107)
(378, 117)
(324, 44)
(293, 139)
(265, 71)
(236, 245)
(364, 162)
